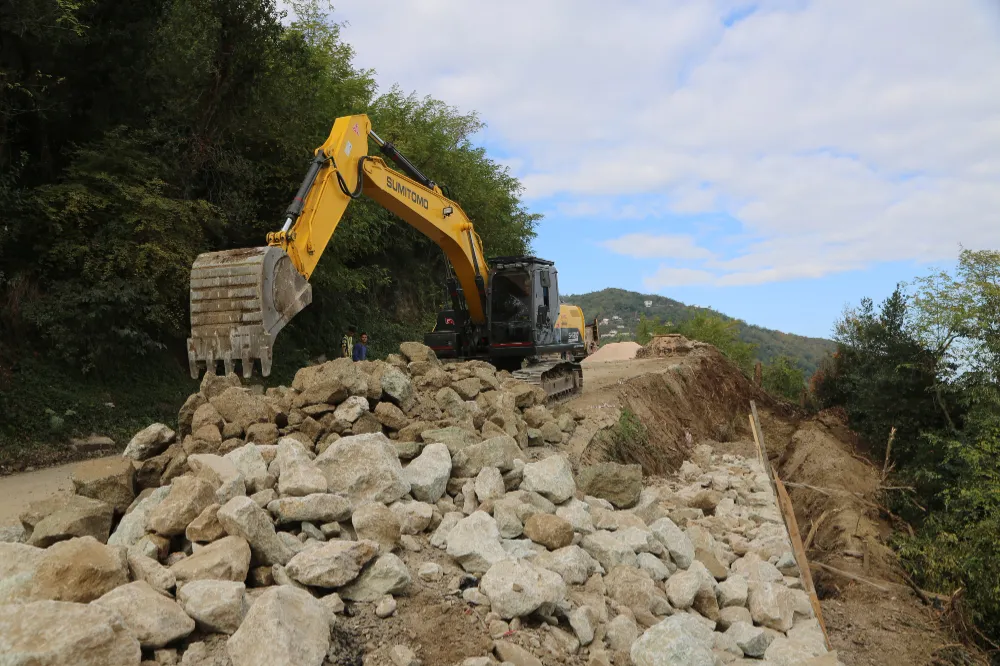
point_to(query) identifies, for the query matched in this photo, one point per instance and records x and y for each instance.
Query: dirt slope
(677, 388)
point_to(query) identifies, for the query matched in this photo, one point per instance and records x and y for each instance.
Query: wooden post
(758, 374)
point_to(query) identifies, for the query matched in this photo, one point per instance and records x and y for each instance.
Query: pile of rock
(268, 525)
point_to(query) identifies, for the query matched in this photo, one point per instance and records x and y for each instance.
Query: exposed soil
(615, 351)
(678, 388)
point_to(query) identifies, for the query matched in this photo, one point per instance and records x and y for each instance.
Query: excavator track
(559, 379)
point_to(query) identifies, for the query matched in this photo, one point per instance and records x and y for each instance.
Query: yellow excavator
(503, 309)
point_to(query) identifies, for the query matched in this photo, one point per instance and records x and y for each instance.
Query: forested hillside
(136, 135)
(630, 306)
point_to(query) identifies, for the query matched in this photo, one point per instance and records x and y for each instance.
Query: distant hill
(623, 308)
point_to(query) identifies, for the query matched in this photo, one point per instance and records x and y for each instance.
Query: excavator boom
(241, 299)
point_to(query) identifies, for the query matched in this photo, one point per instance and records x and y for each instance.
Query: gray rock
(386, 575)
(517, 587)
(242, 517)
(332, 564)
(351, 409)
(771, 605)
(578, 515)
(621, 633)
(386, 607)
(413, 517)
(439, 539)
(250, 463)
(754, 569)
(397, 387)
(364, 468)
(217, 606)
(733, 591)
(654, 566)
(489, 484)
(609, 550)
(284, 627)
(675, 541)
(154, 619)
(573, 563)
(317, 508)
(225, 559)
(51, 633)
(149, 570)
(133, 524)
(428, 473)
(18, 564)
(752, 640)
(453, 437)
(671, 643)
(551, 477)
(584, 621)
(499, 452)
(515, 655)
(633, 588)
(13, 534)
(150, 441)
(682, 588)
(474, 542)
(619, 484)
(730, 615)
(188, 497)
(69, 516)
(299, 475)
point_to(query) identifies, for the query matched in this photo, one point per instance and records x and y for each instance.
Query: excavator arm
(241, 299)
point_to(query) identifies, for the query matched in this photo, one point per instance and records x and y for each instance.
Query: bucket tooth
(241, 299)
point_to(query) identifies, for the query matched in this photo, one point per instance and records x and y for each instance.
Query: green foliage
(631, 307)
(783, 378)
(925, 363)
(627, 442)
(134, 136)
(724, 334)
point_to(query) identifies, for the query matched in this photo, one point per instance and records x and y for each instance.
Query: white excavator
(504, 310)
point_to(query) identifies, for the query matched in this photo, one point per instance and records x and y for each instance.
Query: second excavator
(502, 309)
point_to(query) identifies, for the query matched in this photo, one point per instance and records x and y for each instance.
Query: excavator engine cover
(240, 299)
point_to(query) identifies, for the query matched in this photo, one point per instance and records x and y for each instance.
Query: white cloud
(666, 276)
(838, 133)
(645, 246)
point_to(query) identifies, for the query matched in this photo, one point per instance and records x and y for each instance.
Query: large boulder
(609, 550)
(396, 387)
(55, 633)
(548, 530)
(453, 437)
(317, 508)
(635, 589)
(517, 587)
(351, 409)
(573, 563)
(154, 619)
(188, 497)
(499, 452)
(673, 642)
(390, 416)
(151, 571)
(677, 543)
(340, 371)
(299, 475)
(18, 563)
(376, 522)
(771, 605)
(753, 641)
(552, 478)
(286, 626)
(475, 543)
(250, 463)
(618, 484)
(150, 441)
(415, 351)
(413, 517)
(386, 575)
(81, 569)
(225, 559)
(133, 524)
(364, 468)
(67, 516)
(217, 606)
(429, 472)
(332, 564)
(242, 517)
(110, 480)
(240, 406)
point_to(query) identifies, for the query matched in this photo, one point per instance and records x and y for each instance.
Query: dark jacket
(360, 352)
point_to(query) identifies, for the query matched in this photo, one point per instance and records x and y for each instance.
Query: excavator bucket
(240, 299)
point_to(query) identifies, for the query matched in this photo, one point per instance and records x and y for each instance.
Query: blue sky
(774, 160)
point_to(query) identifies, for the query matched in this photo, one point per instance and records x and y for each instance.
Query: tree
(723, 333)
(783, 377)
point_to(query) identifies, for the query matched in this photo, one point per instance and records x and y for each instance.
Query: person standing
(360, 352)
(347, 343)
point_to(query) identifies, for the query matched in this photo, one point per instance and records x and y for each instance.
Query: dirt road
(18, 490)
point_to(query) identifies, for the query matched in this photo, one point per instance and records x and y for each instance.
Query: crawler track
(559, 379)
